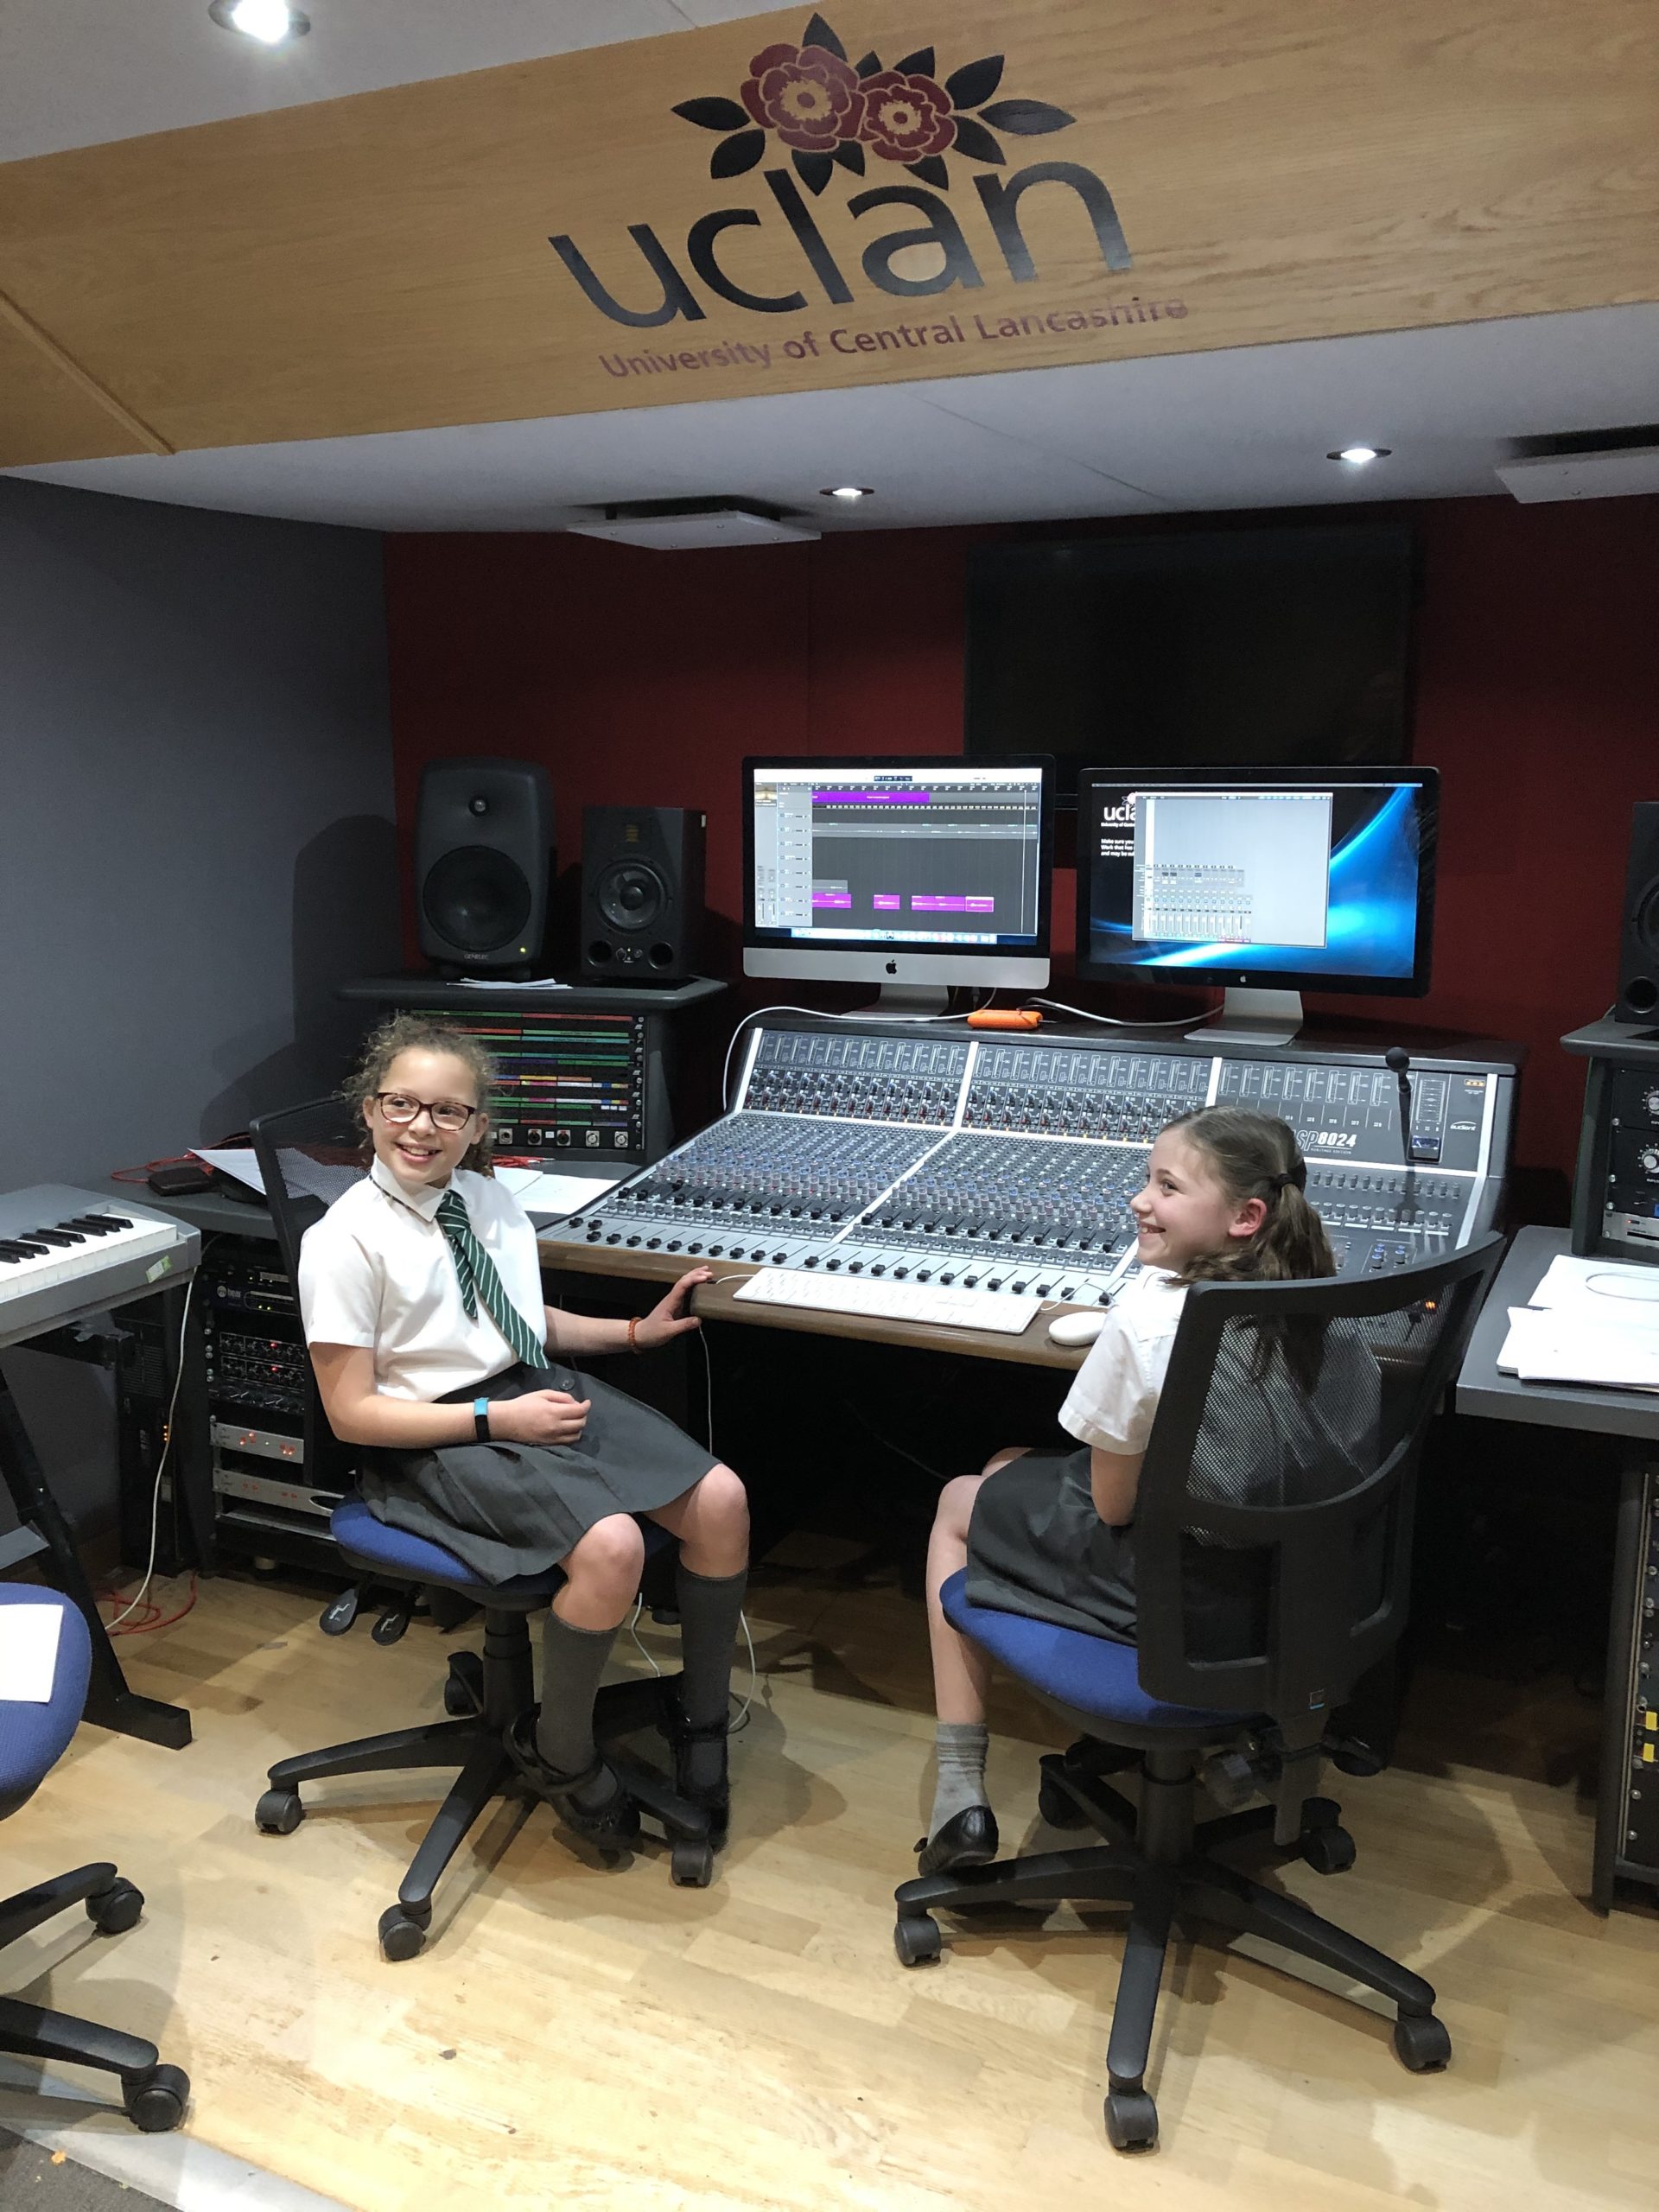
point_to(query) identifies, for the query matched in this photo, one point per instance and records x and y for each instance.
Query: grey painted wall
(195, 847)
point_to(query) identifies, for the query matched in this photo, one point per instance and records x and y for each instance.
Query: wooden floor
(579, 2038)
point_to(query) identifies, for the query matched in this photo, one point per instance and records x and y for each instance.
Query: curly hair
(419, 1033)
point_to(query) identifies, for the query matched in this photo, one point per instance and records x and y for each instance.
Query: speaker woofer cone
(477, 898)
(632, 896)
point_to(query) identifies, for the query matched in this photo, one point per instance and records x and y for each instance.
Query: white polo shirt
(377, 1272)
(1114, 1393)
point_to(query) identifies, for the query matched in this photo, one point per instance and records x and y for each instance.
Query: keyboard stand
(43, 1535)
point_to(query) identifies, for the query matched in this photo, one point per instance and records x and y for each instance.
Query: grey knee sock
(573, 1659)
(711, 1607)
(960, 1746)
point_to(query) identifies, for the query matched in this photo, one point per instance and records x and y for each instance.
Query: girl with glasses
(422, 1299)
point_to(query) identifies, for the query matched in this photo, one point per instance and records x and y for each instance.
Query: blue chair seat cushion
(369, 1542)
(1089, 1674)
(34, 1737)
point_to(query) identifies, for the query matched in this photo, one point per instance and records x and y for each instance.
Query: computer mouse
(1076, 1328)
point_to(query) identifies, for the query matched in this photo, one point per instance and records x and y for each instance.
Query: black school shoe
(969, 1839)
(713, 1798)
(613, 1824)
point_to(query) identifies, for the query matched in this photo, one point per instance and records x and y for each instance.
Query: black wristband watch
(481, 1420)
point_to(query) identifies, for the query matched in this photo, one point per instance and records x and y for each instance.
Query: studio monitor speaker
(1639, 957)
(483, 860)
(641, 894)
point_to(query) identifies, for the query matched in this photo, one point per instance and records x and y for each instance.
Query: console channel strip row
(1008, 1165)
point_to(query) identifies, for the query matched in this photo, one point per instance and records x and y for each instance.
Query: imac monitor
(912, 874)
(1268, 883)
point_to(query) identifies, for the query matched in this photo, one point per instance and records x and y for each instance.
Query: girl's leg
(712, 1523)
(961, 1676)
(601, 1577)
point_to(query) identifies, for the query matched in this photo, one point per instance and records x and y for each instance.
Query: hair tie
(1278, 1182)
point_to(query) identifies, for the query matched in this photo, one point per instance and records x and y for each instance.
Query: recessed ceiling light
(1357, 456)
(847, 491)
(271, 22)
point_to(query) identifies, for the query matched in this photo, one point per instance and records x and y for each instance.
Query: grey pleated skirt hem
(506, 1510)
(1036, 1546)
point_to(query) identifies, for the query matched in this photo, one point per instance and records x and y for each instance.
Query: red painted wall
(648, 675)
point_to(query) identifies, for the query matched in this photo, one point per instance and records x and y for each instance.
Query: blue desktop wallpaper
(1372, 919)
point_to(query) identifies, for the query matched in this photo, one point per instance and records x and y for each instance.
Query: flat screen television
(1243, 648)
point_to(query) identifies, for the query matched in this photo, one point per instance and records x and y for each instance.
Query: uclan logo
(999, 197)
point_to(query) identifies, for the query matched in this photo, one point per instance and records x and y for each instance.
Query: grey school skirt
(1036, 1546)
(518, 1509)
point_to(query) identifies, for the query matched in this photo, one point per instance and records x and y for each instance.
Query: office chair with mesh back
(1271, 1570)
(308, 1155)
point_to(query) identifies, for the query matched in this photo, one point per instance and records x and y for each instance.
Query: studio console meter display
(910, 1155)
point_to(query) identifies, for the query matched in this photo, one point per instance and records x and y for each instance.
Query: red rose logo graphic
(809, 96)
(906, 118)
(827, 110)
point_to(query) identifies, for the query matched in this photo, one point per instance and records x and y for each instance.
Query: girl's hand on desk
(669, 1319)
(539, 1417)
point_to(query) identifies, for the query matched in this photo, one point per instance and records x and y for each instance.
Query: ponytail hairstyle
(1256, 1156)
(418, 1032)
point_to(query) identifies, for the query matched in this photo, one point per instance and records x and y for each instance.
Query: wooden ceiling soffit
(868, 193)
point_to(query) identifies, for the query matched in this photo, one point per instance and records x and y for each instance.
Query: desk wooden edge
(717, 1302)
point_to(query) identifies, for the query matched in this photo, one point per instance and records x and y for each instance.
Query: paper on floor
(28, 1653)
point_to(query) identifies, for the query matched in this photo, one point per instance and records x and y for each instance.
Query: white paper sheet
(242, 1165)
(539, 1192)
(1547, 1345)
(1603, 1291)
(499, 983)
(28, 1653)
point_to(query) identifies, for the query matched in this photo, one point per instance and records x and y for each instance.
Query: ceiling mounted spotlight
(273, 22)
(1358, 456)
(847, 491)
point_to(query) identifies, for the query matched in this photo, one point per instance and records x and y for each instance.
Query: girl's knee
(1002, 1459)
(610, 1557)
(722, 1502)
(955, 1504)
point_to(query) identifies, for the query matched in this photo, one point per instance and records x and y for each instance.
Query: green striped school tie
(479, 1279)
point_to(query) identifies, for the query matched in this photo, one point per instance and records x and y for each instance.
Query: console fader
(1007, 1165)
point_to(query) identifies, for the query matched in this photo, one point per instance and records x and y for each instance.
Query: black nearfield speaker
(1638, 955)
(641, 894)
(483, 860)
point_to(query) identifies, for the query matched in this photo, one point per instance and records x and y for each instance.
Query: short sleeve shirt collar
(425, 1201)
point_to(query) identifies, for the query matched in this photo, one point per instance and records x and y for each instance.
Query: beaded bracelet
(633, 1325)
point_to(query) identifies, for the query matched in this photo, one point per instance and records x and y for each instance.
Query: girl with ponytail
(1050, 1535)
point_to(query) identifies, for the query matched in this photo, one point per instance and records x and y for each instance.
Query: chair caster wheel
(1057, 1808)
(391, 1623)
(279, 1812)
(112, 1911)
(402, 1934)
(691, 1863)
(156, 2098)
(1421, 2042)
(1328, 1851)
(917, 1942)
(463, 1685)
(1131, 2120)
(340, 1612)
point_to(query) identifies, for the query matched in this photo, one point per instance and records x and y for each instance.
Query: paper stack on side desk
(1591, 1321)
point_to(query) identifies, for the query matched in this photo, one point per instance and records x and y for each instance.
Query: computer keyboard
(892, 1301)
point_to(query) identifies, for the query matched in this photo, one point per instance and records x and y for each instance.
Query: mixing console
(1008, 1165)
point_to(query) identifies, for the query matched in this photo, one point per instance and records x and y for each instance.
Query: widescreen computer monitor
(910, 874)
(1267, 883)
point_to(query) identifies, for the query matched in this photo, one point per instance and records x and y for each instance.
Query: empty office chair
(307, 1156)
(1272, 1566)
(33, 1738)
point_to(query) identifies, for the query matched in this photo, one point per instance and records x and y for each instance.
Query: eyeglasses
(400, 1110)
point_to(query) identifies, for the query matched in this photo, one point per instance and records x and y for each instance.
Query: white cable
(1111, 1020)
(161, 1465)
(633, 1630)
